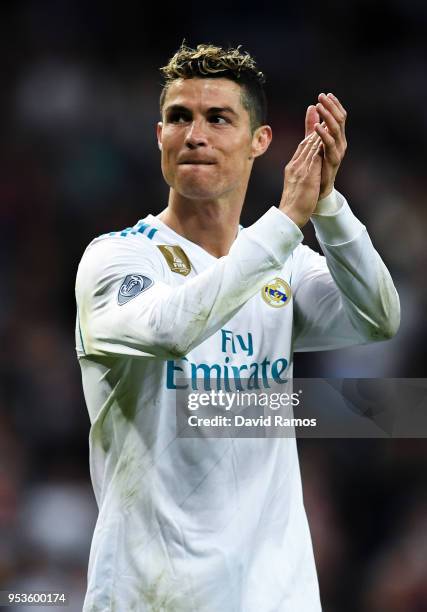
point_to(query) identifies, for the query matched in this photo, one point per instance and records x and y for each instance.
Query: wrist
(294, 216)
(328, 205)
(339, 227)
(326, 191)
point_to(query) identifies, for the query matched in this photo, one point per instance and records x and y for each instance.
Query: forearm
(198, 308)
(369, 295)
(170, 320)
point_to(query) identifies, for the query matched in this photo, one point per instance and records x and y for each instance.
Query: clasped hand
(310, 174)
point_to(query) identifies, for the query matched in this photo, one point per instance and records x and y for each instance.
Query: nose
(196, 136)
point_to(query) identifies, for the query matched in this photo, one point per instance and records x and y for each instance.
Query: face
(206, 140)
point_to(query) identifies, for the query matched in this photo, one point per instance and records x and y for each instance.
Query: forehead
(205, 93)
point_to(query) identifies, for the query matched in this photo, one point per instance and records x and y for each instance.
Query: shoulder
(128, 251)
(137, 240)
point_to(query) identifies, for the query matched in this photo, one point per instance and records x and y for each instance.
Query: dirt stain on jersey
(160, 598)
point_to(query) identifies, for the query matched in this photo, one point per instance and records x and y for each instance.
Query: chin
(194, 191)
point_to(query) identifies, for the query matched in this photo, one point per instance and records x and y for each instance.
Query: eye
(178, 117)
(218, 119)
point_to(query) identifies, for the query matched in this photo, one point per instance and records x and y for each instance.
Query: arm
(346, 297)
(166, 321)
(349, 297)
(163, 320)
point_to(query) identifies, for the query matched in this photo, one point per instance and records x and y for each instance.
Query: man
(215, 525)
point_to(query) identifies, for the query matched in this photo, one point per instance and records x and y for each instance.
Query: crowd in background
(78, 158)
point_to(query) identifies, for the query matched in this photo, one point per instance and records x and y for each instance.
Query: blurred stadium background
(79, 103)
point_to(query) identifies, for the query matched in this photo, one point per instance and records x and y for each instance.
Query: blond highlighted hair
(208, 61)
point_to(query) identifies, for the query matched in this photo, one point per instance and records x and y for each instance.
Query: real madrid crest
(276, 293)
(176, 259)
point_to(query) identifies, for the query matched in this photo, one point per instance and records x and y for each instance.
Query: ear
(261, 140)
(159, 134)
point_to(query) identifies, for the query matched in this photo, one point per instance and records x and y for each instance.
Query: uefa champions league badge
(133, 285)
(276, 293)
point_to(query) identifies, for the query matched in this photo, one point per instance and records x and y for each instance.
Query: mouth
(196, 163)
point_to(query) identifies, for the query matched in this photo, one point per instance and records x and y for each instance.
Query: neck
(212, 224)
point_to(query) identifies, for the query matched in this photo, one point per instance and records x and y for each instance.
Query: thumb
(311, 117)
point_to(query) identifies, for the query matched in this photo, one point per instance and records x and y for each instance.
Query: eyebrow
(222, 109)
(212, 109)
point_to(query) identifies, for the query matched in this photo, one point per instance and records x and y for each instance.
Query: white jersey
(214, 524)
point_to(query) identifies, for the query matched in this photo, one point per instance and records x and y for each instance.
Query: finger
(341, 144)
(315, 156)
(311, 117)
(302, 145)
(335, 107)
(332, 106)
(333, 125)
(311, 145)
(329, 144)
(337, 104)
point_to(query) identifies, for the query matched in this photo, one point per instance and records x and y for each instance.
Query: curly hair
(209, 62)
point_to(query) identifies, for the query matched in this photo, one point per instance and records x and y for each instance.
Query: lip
(196, 162)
